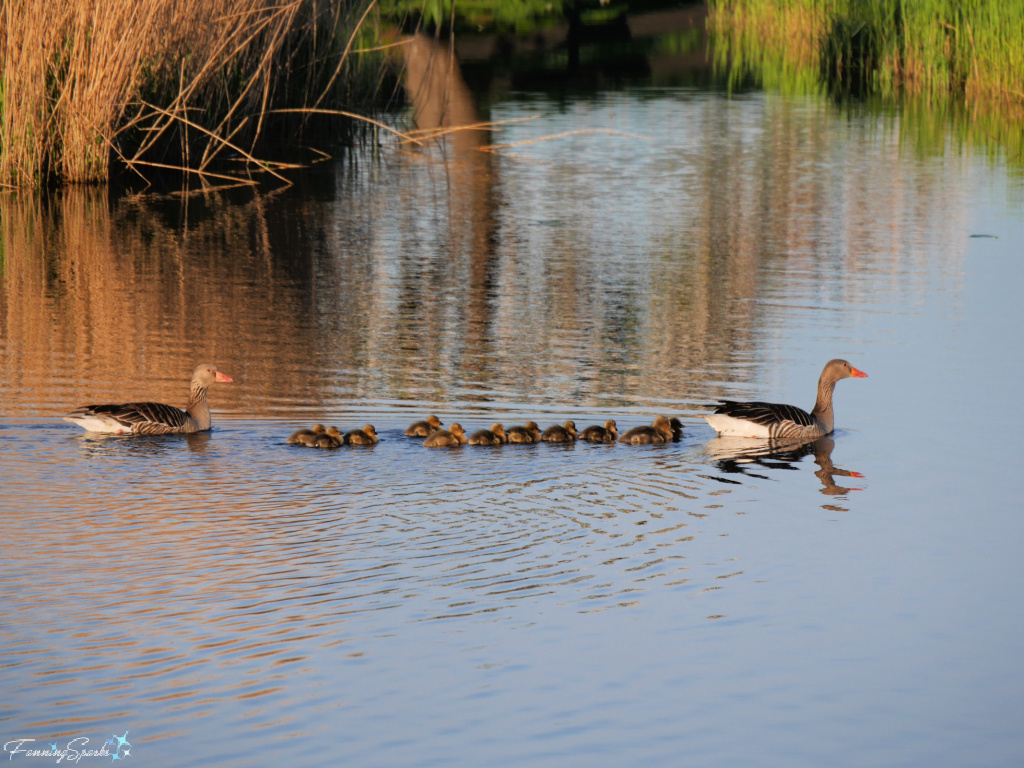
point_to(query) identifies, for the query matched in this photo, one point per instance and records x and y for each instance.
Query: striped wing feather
(766, 414)
(142, 418)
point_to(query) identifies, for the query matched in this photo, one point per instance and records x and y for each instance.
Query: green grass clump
(972, 49)
(955, 68)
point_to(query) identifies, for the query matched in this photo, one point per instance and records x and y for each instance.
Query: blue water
(227, 599)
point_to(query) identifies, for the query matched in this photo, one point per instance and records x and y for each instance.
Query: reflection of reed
(110, 301)
(584, 274)
(441, 99)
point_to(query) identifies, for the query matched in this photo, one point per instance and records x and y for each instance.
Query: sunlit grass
(969, 48)
(956, 63)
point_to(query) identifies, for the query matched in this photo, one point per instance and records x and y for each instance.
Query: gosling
(365, 436)
(424, 428)
(493, 436)
(660, 432)
(299, 436)
(595, 434)
(560, 434)
(452, 436)
(530, 433)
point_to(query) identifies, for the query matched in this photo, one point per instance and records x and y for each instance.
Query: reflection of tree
(742, 455)
(441, 99)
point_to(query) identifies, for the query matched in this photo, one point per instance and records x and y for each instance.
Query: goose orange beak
(857, 374)
(222, 378)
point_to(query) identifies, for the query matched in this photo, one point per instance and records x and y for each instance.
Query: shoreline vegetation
(182, 85)
(957, 62)
(216, 90)
(971, 50)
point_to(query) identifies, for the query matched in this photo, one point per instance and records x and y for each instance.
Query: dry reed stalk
(195, 171)
(344, 55)
(385, 47)
(225, 141)
(428, 134)
(80, 79)
(351, 115)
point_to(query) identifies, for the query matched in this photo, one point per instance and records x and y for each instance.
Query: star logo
(122, 744)
(53, 747)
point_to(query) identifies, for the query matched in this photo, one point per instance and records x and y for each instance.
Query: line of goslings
(663, 430)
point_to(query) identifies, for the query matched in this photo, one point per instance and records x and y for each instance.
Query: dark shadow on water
(661, 46)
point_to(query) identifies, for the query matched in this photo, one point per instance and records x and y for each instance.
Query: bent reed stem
(166, 83)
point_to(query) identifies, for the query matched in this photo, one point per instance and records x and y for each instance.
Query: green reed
(968, 48)
(521, 16)
(953, 65)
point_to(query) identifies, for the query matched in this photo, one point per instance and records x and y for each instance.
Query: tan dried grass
(145, 79)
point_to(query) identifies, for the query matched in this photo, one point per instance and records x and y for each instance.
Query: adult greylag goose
(452, 436)
(773, 420)
(560, 434)
(365, 436)
(659, 432)
(529, 433)
(424, 428)
(493, 436)
(154, 418)
(597, 434)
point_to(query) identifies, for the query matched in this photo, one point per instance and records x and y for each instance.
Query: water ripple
(171, 572)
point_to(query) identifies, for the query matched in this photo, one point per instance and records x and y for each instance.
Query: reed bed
(962, 48)
(167, 83)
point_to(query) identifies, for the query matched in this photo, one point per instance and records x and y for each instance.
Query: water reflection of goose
(596, 434)
(739, 455)
(452, 436)
(154, 418)
(774, 420)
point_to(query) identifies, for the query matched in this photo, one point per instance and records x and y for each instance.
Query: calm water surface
(229, 600)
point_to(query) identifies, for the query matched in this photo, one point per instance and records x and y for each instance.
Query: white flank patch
(728, 425)
(93, 423)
